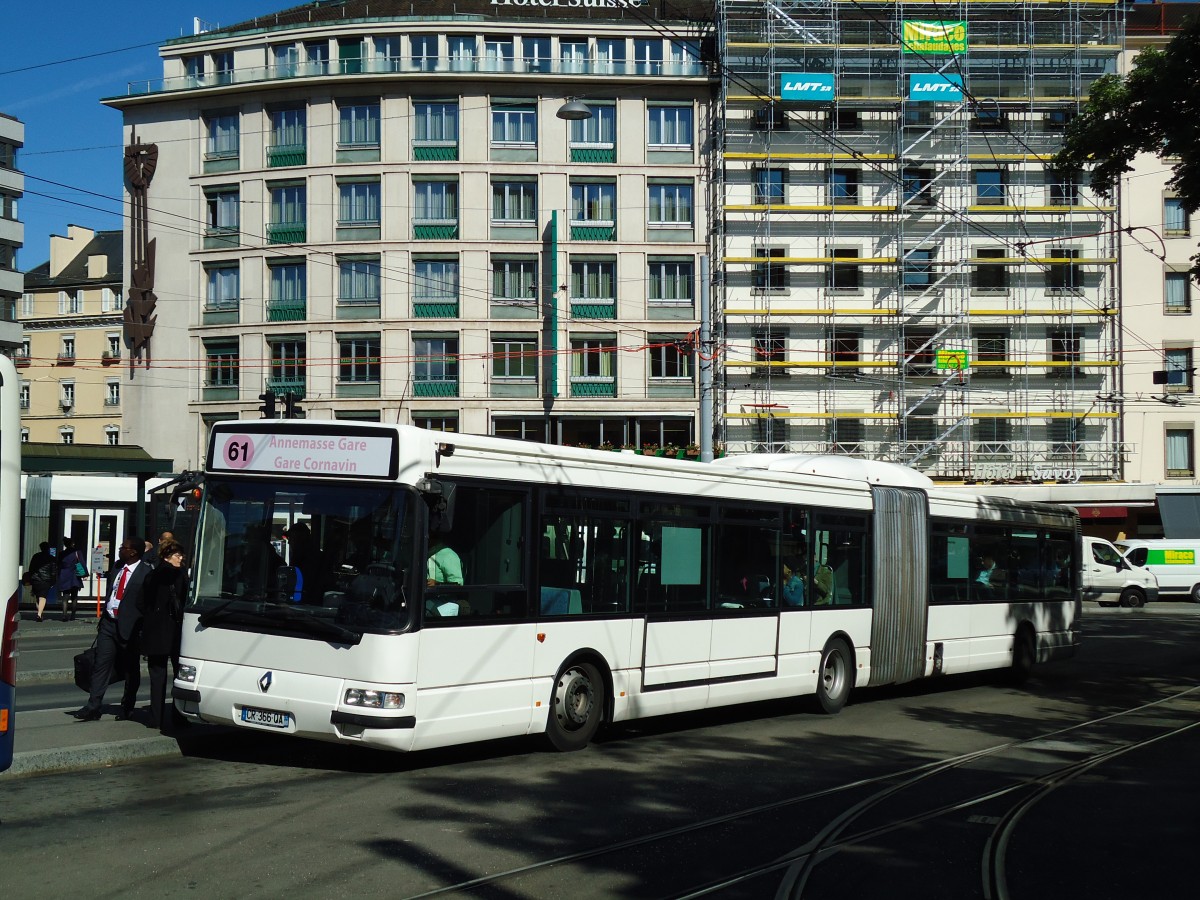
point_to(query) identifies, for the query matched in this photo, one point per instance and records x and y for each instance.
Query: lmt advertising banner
(934, 37)
(935, 89)
(806, 86)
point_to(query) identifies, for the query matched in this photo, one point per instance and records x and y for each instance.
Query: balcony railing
(287, 233)
(66, 359)
(286, 310)
(400, 66)
(445, 388)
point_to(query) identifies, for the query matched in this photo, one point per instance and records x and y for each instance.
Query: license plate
(269, 717)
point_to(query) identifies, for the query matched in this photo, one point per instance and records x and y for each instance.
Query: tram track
(799, 864)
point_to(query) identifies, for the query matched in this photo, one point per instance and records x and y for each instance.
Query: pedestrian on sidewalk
(118, 632)
(163, 595)
(69, 582)
(41, 573)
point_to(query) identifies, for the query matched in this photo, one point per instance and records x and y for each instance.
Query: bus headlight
(186, 673)
(374, 699)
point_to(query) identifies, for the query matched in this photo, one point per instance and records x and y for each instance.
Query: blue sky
(69, 137)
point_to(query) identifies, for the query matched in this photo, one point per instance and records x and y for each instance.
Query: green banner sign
(934, 37)
(1170, 557)
(951, 359)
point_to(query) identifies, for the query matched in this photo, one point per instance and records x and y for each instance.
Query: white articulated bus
(407, 589)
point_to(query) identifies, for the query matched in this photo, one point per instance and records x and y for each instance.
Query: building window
(514, 203)
(435, 131)
(193, 67)
(1181, 451)
(843, 186)
(594, 203)
(593, 367)
(25, 389)
(24, 435)
(67, 435)
(989, 277)
(1177, 294)
(917, 186)
(514, 280)
(289, 291)
(515, 357)
(1065, 354)
(919, 351)
(769, 186)
(514, 124)
(359, 359)
(285, 58)
(610, 56)
(446, 421)
(843, 119)
(221, 359)
(112, 435)
(991, 352)
(988, 118)
(1063, 275)
(66, 349)
(648, 56)
(918, 269)
(499, 53)
(670, 205)
(989, 187)
(995, 432)
(69, 303)
(535, 52)
(114, 345)
(670, 358)
(27, 305)
(1176, 221)
(844, 272)
(286, 141)
(112, 393)
(435, 288)
(462, 52)
(672, 281)
(593, 288)
(435, 210)
(769, 275)
(846, 435)
(223, 207)
(1063, 187)
(358, 124)
(289, 365)
(423, 51)
(845, 352)
(8, 155)
(769, 118)
(358, 204)
(669, 127)
(595, 139)
(435, 368)
(224, 285)
(1066, 436)
(223, 67)
(358, 279)
(573, 56)
(110, 300)
(66, 394)
(1180, 375)
(769, 353)
(289, 214)
(222, 136)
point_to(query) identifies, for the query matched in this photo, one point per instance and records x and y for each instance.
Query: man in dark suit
(118, 632)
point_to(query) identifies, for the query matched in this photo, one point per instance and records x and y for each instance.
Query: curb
(57, 676)
(44, 762)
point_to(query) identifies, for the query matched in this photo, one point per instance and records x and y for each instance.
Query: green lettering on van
(1170, 557)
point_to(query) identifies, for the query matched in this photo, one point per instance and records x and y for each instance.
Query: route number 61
(238, 451)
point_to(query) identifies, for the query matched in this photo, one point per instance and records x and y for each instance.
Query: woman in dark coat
(163, 596)
(69, 583)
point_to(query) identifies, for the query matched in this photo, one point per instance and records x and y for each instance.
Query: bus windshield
(321, 560)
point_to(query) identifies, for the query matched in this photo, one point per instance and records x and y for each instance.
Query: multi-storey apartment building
(72, 344)
(905, 275)
(1160, 339)
(12, 233)
(489, 216)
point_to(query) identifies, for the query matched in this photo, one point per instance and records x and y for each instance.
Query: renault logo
(264, 683)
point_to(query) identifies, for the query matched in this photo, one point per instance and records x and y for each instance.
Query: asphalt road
(1079, 784)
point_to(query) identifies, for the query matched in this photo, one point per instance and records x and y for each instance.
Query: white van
(1109, 578)
(1176, 564)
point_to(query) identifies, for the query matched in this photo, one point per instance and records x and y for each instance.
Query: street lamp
(574, 110)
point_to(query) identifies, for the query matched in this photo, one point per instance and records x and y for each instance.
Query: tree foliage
(1154, 109)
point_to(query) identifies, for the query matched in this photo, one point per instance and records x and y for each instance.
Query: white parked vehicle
(1175, 563)
(1109, 578)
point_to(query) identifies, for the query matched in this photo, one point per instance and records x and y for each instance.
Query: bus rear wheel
(576, 707)
(1133, 597)
(835, 677)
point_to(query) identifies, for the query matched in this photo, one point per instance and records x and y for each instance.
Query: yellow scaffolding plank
(812, 311)
(817, 208)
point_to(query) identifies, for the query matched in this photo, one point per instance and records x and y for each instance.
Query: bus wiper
(305, 622)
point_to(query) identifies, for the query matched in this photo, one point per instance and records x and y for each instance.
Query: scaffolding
(904, 276)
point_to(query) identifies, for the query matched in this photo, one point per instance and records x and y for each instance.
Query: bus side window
(581, 565)
(487, 537)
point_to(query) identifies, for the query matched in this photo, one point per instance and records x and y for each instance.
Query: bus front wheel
(576, 706)
(835, 677)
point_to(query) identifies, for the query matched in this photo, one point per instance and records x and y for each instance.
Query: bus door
(901, 584)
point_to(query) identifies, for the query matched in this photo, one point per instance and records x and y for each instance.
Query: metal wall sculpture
(140, 162)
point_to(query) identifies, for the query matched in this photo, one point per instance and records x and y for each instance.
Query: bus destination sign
(354, 455)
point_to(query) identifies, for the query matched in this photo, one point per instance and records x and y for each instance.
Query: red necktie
(121, 583)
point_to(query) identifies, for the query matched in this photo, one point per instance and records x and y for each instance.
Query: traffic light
(291, 409)
(268, 405)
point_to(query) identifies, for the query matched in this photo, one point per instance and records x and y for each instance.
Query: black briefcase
(85, 663)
